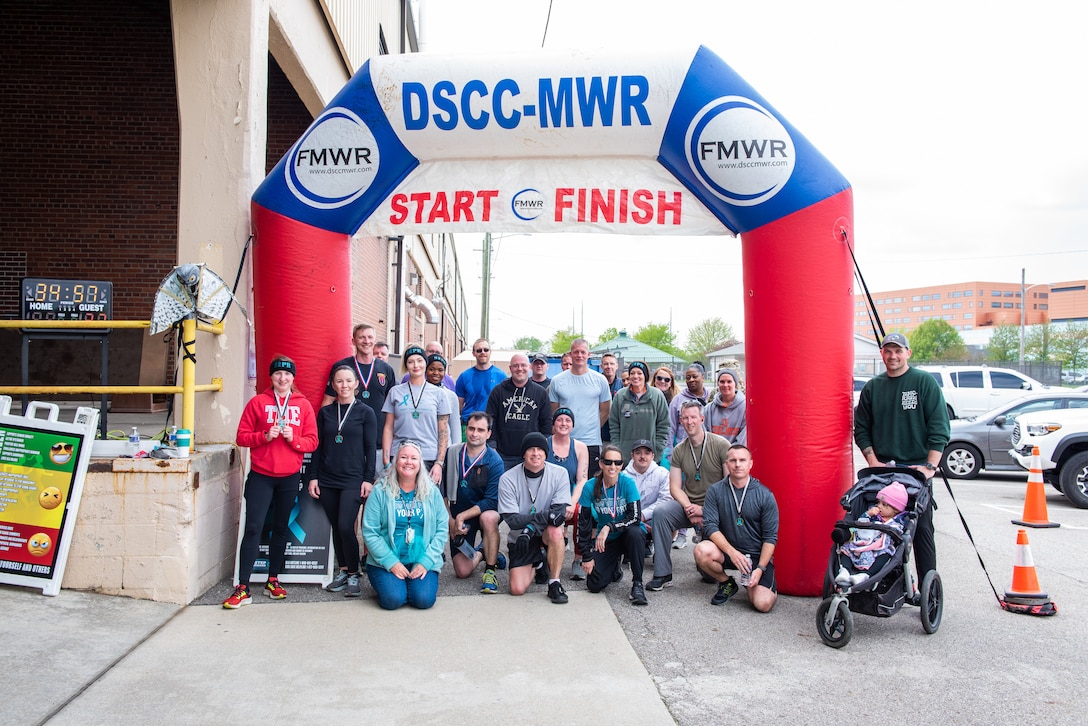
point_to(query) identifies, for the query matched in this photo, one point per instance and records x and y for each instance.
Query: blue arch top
(672, 144)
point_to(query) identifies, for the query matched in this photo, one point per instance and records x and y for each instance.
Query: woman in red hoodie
(278, 426)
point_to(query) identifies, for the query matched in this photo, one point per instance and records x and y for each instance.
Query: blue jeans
(394, 592)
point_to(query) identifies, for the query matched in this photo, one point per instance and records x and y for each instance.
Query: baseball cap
(895, 339)
(643, 444)
(538, 358)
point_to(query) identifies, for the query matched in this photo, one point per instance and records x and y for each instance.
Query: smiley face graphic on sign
(39, 544)
(49, 498)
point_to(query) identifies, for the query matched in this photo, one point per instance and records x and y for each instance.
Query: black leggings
(263, 491)
(342, 508)
(632, 542)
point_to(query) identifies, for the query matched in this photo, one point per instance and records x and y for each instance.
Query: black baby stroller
(884, 591)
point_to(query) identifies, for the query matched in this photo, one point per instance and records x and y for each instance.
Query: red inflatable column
(799, 355)
(301, 298)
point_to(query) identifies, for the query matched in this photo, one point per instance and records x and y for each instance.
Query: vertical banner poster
(309, 541)
(43, 463)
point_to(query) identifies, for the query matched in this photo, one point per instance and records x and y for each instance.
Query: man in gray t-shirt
(585, 392)
(740, 531)
(533, 499)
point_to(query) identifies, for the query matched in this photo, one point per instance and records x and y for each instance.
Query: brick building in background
(971, 306)
(141, 129)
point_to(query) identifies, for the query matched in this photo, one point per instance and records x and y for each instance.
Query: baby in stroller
(868, 550)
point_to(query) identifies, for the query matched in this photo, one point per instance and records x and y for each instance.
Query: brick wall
(87, 98)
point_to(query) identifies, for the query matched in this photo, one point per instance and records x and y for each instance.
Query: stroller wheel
(932, 601)
(834, 624)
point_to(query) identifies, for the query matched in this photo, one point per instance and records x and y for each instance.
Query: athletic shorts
(533, 554)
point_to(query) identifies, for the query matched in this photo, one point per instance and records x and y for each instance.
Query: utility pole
(1023, 304)
(485, 294)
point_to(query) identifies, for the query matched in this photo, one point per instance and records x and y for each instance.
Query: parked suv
(1062, 438)
(973, 390)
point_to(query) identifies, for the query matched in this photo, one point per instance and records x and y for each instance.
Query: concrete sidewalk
(100, 659)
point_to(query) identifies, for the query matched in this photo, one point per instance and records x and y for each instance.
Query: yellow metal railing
(188, 388)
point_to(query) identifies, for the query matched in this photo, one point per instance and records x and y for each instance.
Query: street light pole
(1023, 304)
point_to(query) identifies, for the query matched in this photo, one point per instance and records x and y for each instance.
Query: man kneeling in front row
(533, 499)
(740, 530)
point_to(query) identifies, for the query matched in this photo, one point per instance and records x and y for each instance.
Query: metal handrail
(188, 388)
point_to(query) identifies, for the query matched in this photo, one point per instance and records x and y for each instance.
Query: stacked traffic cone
(1026, 596)
(1035, 514)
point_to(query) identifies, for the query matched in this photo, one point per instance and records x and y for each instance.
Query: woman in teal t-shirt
(405, 527)
(611, 503)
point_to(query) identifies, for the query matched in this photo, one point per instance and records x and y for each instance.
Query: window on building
(936, 296)
(995, 305)
(957, 305)
(968, 316)
(957, 293)
(1008, 305)
(995, 293)
(916, 298)
(925, 297)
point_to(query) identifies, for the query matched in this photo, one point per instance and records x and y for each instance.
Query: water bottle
(172, 437)
(134, 442)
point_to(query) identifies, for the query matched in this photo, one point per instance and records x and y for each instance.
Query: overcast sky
(960, 126)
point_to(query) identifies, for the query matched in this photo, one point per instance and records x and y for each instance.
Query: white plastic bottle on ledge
(134, 442)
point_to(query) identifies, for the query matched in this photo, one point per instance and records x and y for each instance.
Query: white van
(973, 390)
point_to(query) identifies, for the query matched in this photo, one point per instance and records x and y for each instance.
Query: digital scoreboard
(50, 299)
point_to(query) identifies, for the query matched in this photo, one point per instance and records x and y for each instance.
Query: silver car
(982, 442)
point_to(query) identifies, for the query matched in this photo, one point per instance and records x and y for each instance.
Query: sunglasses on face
(662, 379)
(482, 350)
(611, 462)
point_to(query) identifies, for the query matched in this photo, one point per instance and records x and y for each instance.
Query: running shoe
(353, 589)
(274, 589)
(725, 591)
(500, 560)
(240, 597)
(576, 571)
(489, 586)
(638, 595)
(659, 583)
(681, 541)
(556, 593)
(339, 582)
(541, 575)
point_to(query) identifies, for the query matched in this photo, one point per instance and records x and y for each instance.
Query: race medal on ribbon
(697, 477)
(740, 521)
(339, 439)
(415, 414)
(464, 482)
(366, 394)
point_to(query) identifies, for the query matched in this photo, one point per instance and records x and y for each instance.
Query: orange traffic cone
(1026, 596)
(1035, 514)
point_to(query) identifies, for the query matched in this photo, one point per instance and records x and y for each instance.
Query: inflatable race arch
(674, 144)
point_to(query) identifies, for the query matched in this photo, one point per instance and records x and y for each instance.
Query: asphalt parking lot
(483, 658)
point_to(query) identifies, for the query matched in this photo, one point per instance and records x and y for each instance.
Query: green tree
(659, 336)
(707, 336)
(1004, 343)
(606, 336)
(1071, 346)
(560, 342)
(529, 343)
(1039, 342)
(936, 340)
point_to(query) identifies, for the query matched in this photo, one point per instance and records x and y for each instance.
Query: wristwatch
(931, 467)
